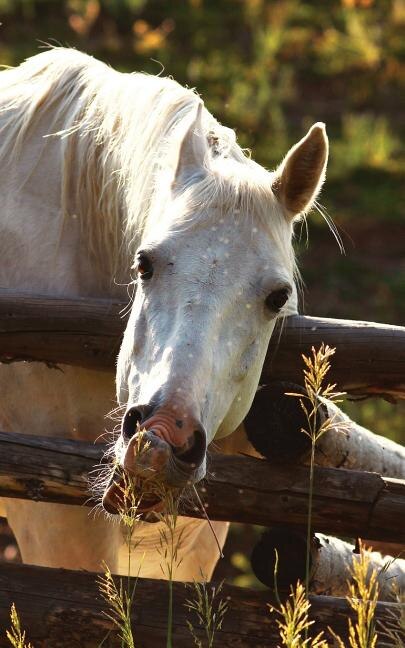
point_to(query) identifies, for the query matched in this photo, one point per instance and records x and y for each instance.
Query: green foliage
(379, 416)
(357, 149)
(270, 69)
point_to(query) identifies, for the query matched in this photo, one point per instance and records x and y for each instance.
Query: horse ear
(192, 148)
(300, 176)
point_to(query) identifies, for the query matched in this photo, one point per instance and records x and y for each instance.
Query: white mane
(117, 131)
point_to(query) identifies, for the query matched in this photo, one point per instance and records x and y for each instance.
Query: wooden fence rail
(370, 357)
(239, 489)
(64, 608)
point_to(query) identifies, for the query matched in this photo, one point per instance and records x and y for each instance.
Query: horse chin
(135, 490)
(180, 474)
(117, 501)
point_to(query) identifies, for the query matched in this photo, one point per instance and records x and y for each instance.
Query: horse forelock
(117, 132)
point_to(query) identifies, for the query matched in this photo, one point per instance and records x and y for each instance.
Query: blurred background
(269, 69)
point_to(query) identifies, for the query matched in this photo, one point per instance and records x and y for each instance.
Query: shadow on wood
(63, 609)
(370, 358)
(238, 489)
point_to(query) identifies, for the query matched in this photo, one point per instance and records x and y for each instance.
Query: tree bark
(275, 422)
(370, 358)
(237, 489)
(331, 563)
(64, 609)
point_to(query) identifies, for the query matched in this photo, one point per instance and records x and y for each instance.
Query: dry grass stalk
(119, 602)
(210, 612)
(362, 598)
(393, 630)
(293, 616)
(293, 621)
(16, 635)
(316, 369)
(120, 598)
(169, 545)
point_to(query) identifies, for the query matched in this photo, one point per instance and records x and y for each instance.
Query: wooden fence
(61, 608)
(370, 358)
(239, 489)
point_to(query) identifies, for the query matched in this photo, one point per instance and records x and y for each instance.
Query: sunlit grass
(317, 366)
(119, 600)
(294, 624)
(293, 616)
(393, 630)
(209, 609)
(16, 635)
(362, 598)
(169, 546)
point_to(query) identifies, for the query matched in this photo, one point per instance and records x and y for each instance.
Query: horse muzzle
(165, 451)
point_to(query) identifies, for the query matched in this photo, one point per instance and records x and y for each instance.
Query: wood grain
(64, 609)
(370, 358)
(238, 489)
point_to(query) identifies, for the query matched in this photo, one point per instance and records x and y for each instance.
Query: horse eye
(144, 266)
(277, 299)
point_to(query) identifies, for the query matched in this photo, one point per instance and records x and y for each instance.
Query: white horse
(109, 180)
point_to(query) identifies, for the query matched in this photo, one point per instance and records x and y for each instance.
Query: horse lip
(115, 502)
(181, 473)
(178, 474)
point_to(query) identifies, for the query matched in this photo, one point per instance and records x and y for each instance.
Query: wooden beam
(83, 332)
(238, 489)
(274, 427)
(64, 608)
(370, 358)
(331, 563)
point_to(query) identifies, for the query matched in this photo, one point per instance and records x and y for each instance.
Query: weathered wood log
(370, 358)
(274, 427)
(238, 489)
(331, 562)
(64, 609)
(83, 332)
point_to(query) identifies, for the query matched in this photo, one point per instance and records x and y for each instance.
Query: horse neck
(66, 215)
(43, 248)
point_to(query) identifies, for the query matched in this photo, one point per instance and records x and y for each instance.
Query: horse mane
(116, 131)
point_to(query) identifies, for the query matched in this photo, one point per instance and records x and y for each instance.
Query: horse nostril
(131, 421)
(194, 451)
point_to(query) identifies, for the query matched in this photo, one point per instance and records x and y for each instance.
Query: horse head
(215, 269)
